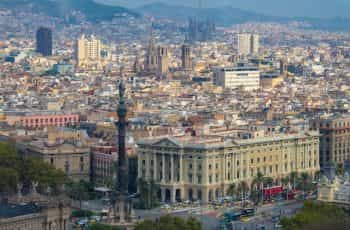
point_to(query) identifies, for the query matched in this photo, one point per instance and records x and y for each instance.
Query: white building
(247, 77)
(248, 44)
(336, 191)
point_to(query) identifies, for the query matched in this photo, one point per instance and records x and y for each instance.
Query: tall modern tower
(44, 41)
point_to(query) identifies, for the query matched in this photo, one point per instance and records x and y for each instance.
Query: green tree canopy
(315, 214)
(16, 169)
(170, 223)
(99, 226)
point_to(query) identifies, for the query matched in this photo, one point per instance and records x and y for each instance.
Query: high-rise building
(242, 75)
(186, 57)
(254, 43)
(248, 44)
(163, 60)
(44, 41)
(243, 44)
(200, 31)
(88, 51)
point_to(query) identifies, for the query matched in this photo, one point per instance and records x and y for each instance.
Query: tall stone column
(172, 169)
(163, 194)
(148, 167)
(173, 195)
(163, 169)
(180, 168)
(155, 174)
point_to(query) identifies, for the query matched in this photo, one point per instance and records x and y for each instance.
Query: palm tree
(232, 190)
(305, 181)
(257, 188)
(243, 189)
(339, 170)
(285, 183)
(293, 179)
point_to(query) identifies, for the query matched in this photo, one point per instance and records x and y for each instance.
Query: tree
(148, 194)
(78, 191)
(293, 179)
(285, 181)
(305, 183)
(99, 226)
(9, 180)
(243, 189)
(257, 188)
(316, 214)
(170, 223)
(18, 169)
(232, 190)
(340, 169)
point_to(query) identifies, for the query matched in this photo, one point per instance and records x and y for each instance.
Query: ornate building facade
(203, 168)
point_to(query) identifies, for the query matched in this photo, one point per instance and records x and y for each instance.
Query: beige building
(335, 138)
(64, 149)
(248, 44)
(203, 168)
(88, 51)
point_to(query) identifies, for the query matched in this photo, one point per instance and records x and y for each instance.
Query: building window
(209, 166)
(190, 177)
(270, 168)
(81, 159)
(81, 167)
(237, 175)
(217, 177)
(190, 166)
(52, 161)
(216, 165)
(210, 179)
(199, 178)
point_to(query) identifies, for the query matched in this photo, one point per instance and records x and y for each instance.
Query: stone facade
(335, 139)
(49, 216)
(203, 168)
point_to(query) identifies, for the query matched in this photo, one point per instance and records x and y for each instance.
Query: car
(260, 227)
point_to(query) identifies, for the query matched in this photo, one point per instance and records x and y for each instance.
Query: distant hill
(93, 11)
(226, 16)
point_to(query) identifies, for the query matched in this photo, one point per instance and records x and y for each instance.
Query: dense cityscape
(133, 121)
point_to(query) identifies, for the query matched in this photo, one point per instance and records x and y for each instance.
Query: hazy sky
(312, 8)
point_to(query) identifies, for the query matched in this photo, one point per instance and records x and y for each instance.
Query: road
(210, 217)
